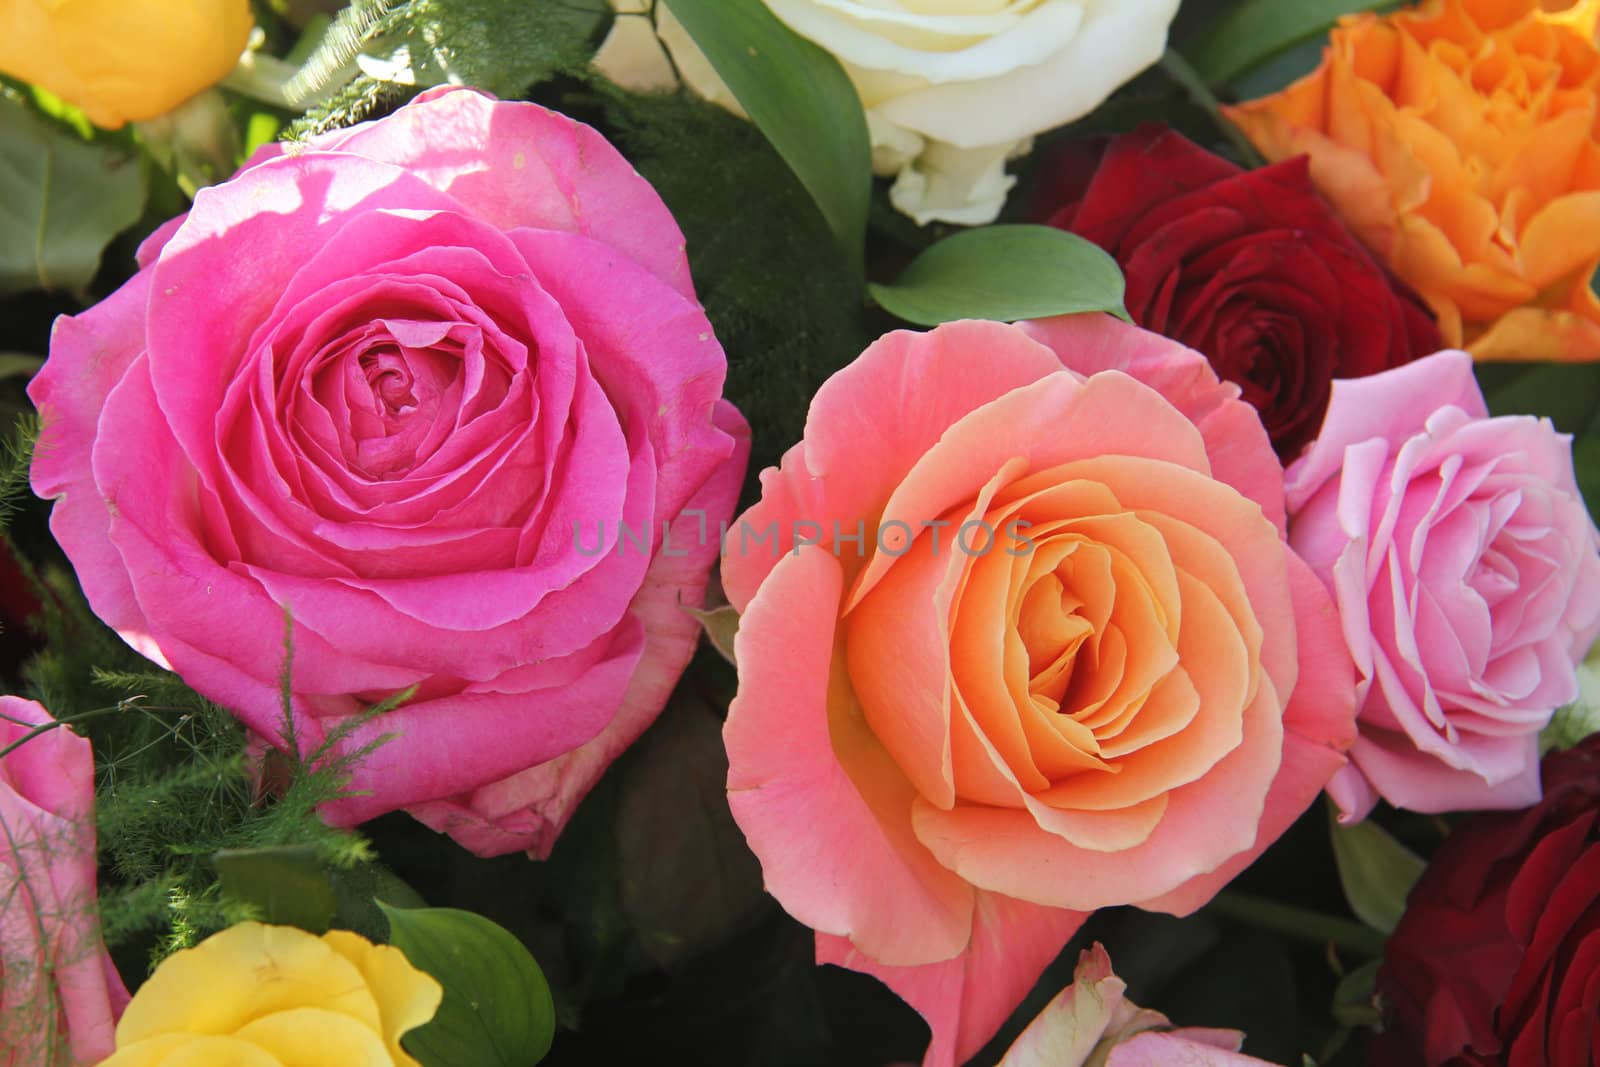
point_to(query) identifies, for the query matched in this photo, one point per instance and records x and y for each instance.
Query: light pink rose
(1091, 1024)
(945, 757)
(1464, 565)
(60, 994)
(405, 381)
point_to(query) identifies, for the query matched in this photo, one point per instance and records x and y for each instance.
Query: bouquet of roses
(793, 532)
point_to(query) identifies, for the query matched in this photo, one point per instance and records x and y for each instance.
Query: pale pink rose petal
(966, 999)
(56, 969)
(1187, 1047)
(1464, 566)
(1383, 406)
(825, 846)
(1072, 1026)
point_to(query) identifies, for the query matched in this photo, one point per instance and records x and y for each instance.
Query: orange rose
(1461, 141)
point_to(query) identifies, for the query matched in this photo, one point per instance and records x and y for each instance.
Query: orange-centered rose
(1021, 638)
(1461, 140)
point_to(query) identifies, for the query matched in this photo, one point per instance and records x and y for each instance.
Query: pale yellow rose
(122, 60)
(275, 996)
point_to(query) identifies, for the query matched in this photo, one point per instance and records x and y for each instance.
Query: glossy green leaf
(286, 885)
(1256, 30)
(62, 200)
(1377, 871)
(497, 1010)
(1568, 394)
(1006, 273)
(800, 98)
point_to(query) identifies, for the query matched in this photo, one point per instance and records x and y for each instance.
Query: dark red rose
(1497, 958)
(1251, 268)
(17, 606)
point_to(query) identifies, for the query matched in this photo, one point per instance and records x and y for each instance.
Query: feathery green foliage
(16, 453)
(333, 60)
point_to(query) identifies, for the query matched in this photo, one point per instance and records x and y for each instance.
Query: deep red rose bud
(1497, 958)
(1251, 268)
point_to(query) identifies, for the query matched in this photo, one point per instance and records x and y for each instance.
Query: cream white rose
(952, 88)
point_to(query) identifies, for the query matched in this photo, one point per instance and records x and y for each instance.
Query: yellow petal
(407, 998)
(317, 1038)
(243, 973)
(189, 1050)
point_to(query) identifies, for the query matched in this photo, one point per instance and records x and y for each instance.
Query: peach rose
(1461, 141)
(1021, 638)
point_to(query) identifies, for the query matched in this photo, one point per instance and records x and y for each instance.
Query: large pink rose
(1464, 565)
(404, 383)
(1021, 638)
(60, 995)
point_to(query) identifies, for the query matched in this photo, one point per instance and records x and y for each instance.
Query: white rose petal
(953, 88)
(1118, 39)
(633, 57)
(933, 48)
(950, 184)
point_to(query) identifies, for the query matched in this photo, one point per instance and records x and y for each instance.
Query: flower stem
(1297, 922)
(44, 728)
(1188, 79)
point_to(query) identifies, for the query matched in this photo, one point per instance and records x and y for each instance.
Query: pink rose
(1104, 680)
(1464, 565)
(406, 382)
(60, 994)
(1091, 1022)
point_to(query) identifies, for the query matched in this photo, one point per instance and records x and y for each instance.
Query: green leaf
(1568, 394)
(19, 365)
(1586, 459)
(688, 877)
(1355, 999)
(1006, 273)
(287, 885)
(800, 98)
(358, 890)
(1377, 871)
(61, 202)
(497, 1010)
(721, 624)
(1257, 30)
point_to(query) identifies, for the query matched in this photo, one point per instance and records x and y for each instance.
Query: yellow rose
(274, 996)
(122, 60)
